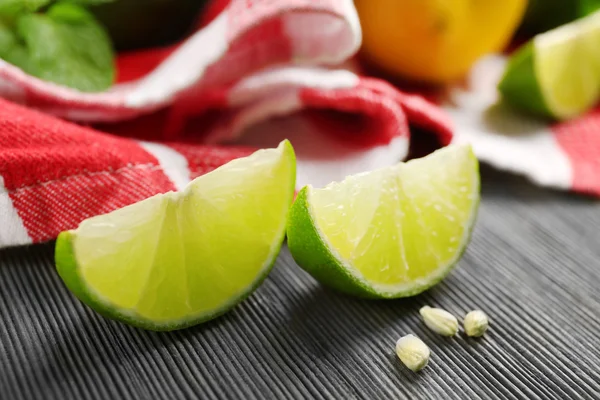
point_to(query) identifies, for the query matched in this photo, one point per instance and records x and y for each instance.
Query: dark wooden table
(533, 266)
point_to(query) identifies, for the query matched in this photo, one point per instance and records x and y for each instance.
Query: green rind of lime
(67, 270)
(519, 85)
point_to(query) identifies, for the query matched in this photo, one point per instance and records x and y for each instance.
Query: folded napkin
(256, 72)
(562, 156)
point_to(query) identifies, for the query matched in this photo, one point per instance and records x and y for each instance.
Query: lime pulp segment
(177, 259)
(389, 233)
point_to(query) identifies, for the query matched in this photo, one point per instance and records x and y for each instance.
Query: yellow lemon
(435, 41)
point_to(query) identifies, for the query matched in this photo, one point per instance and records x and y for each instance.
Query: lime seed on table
(476, 323)
(440, 321)
(413, 352)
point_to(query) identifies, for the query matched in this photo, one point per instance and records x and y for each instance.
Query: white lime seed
(412, 352)
(476, 323)
(439, 321)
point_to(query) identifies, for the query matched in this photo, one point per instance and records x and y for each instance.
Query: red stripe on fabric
(191, 115)
(243, 7)
(580, 140)
(134, 65)
(356, 115)
(203, 159)
(420, 112)
(149, 127)
(257, 35)
(49, 208)
(212, 11)
(194, 103)
(58, 173)
(374, 112)
(37, 148)
(243, 14)
(260, 45)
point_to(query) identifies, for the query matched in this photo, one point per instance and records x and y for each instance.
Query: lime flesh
(177, 259)
(557, 74)
(389, 233)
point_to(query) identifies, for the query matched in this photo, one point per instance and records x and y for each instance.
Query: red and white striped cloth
(266, 69)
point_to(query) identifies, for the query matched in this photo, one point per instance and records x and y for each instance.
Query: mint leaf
(10, 49)
(65, 46)
(66, 12)
(10, 8)
(8, 40)
(89, 2)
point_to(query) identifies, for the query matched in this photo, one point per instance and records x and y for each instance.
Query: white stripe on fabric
(502, 137)
(322, 158)
(174, 165)
(352, 16)
(184, 67)
(12, 230)
(276, 104)
(323, 38)
(343, 162)
(274, 80)
(535, 155)
(11, 91)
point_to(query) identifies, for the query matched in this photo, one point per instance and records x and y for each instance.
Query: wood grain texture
(533, 266)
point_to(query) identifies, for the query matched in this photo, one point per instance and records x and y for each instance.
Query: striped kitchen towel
(257, 71)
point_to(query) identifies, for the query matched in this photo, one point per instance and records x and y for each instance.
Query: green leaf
(90, 2)
(10, 8)
(65, 46)
(69, 13)
(11, 50)
(8, 39)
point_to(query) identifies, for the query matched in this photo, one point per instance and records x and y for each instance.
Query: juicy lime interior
(183, 255)
(400, 226)
(567, 65)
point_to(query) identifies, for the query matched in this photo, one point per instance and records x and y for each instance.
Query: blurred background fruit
(556, 74)
(435, 41)
(543, 15)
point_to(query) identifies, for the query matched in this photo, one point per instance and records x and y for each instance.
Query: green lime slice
(181, 258)
(557, 74)
(389, 233)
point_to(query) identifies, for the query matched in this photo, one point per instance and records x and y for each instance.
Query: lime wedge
(557, 74)
(389, 233)
(177, 259)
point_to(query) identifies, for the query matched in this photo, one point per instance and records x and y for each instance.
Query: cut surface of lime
(388, 233)
(180, 258)
(557, 74)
